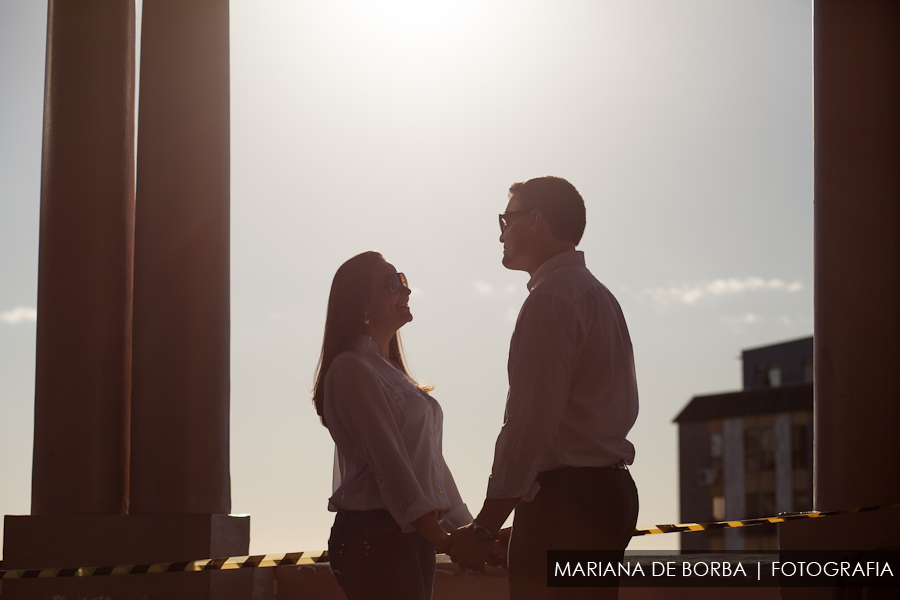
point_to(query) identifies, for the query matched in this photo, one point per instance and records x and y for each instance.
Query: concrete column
(83, 361)
(180, 398)
(784, 466)
(857, 223)
(733, 475)
(857, 325)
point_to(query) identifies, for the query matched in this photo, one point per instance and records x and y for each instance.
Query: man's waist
(565, 472)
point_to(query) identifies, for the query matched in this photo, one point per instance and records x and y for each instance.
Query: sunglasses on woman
(397, 281)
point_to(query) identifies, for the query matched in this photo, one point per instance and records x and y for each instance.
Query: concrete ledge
(317, 581)
(62, 541)
(209, 585)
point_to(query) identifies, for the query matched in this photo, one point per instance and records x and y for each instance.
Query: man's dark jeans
(577, 508)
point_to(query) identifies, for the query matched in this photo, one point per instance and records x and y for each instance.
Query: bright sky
(398, 127)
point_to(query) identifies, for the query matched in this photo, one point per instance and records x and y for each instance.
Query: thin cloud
(19, 314)
(737, 323)
(512, 313)
(482, 287)
(745, 319)
(690, 294)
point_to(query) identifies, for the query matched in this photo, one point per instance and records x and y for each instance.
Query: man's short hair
(558, 201)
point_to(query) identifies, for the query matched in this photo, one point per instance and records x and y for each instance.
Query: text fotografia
(786, 569)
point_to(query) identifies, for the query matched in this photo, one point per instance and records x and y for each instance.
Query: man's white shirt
(572, 385)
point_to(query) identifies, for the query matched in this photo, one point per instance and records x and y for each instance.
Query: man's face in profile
(516, 238)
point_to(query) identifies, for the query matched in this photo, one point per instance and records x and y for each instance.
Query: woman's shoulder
(350, 361)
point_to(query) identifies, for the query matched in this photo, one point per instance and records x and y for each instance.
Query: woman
(393, 492)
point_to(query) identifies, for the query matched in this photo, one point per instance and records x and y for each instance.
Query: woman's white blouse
(387, 435)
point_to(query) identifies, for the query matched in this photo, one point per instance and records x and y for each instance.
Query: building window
(768, 374)
(751, 447)
(707, 476)
(715, 445)
(718, 508)
(767, 449)
(808, 372)
(773, 376)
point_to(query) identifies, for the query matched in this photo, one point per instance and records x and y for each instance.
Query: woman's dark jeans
(372, 558)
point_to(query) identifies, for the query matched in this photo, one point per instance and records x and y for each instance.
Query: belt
(567, 471)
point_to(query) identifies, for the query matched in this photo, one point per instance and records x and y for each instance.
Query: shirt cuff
(456, 518)
(497, 491)
(420, 507)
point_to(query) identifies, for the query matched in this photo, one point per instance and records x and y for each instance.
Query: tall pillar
(784, 467)
(178, 434)
(180, 398)
(83, 358)
(857, 290)
(83, 351)
(857, 60)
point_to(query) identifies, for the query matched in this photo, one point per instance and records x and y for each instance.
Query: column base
(65, 541)
(877, 530)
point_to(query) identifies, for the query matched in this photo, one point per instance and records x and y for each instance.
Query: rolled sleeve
(459, 514)
(541, 363)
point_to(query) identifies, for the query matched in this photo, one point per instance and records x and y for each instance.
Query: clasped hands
(469, 552)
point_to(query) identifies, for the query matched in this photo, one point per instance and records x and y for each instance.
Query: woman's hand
(432, 531)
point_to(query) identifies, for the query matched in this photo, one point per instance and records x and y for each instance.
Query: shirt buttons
(435, 462)
(432, 432)
(440, 491)
(380, 480)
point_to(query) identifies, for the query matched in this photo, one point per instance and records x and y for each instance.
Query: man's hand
(500, 551)
(470, 552)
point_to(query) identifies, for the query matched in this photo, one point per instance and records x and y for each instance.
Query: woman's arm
(359, 415)
(431, 530)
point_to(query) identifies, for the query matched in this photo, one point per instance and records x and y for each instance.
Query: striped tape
(321, 556)
(208, 564)
(815, 514)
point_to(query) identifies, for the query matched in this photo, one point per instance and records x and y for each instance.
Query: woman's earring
(366, 318)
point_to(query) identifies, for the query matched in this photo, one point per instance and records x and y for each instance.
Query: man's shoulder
(571, 281)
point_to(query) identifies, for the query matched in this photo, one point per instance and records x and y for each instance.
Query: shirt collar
(364, 343)
(575, 257)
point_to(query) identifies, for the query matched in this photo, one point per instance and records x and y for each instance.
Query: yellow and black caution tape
(814, 514)
(321, 556)
(208, 564)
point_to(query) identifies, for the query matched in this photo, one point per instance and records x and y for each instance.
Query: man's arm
(540, 373)
(495, 511)
(466, 548)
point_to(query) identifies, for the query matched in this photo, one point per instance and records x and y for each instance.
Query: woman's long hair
(345, 320)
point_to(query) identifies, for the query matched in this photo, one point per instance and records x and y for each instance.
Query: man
(560, 459)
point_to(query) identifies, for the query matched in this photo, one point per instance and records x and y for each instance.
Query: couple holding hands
(561, 456)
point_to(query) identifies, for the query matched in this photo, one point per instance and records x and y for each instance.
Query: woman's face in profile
(387, 310)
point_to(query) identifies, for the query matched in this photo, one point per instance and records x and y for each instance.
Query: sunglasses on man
(504, 218)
